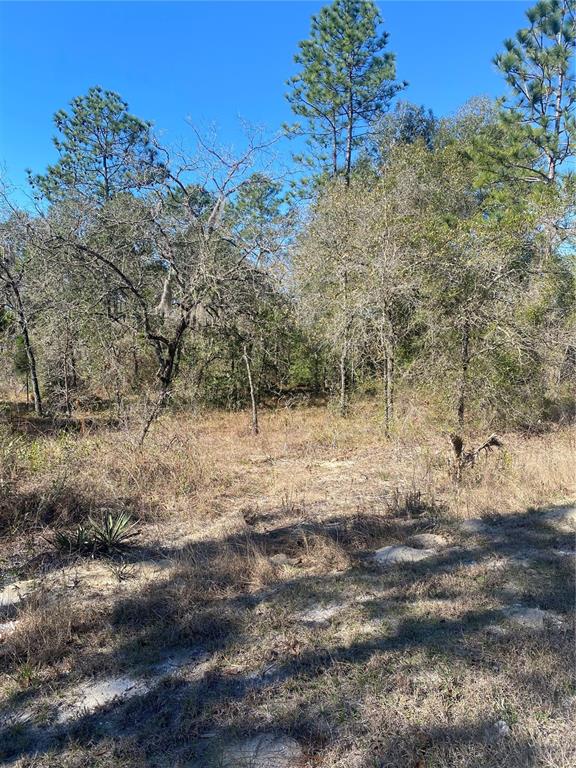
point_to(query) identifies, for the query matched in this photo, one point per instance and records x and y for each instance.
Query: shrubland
(229, 402)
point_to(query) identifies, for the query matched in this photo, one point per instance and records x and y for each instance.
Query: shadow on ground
(318, 681)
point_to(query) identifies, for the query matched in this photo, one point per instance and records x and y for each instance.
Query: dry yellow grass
(202, 467)
(254, 551)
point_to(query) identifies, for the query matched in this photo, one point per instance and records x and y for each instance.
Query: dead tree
(463, 459)
(246, 358)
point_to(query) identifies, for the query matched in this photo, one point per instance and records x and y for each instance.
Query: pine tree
(539, 67)
(345, 83)
(103, 150)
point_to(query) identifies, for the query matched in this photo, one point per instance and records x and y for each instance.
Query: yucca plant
(111, 534)
(114, 532)
(79, 541)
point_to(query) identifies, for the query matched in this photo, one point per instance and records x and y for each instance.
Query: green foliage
(538, 65)
(79, 541)
(421, 272)
(21, 363)
(6, 320)
(257, 211)
(103, 150)
(346, 81)
(427, 259)
(112, 534)
(406, 124)
(306, 362)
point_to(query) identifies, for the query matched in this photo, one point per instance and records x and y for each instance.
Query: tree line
(417, 255)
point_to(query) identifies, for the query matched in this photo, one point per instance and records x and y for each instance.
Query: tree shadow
(209, 601)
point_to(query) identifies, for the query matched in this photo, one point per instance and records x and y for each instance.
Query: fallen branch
(464, 458)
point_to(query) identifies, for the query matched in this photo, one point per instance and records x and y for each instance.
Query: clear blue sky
(216, 61)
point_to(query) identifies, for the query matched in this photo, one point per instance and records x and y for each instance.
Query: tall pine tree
(539, 68)
(346, 81)
(103, 150)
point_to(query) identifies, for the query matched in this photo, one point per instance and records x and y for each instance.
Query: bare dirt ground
(281, 606)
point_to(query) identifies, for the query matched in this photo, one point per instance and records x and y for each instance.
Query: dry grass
(42, 634)
(200, 467)
(242, 538)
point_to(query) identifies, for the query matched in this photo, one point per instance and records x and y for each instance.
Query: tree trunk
(66, 388)
(344, 351)
(334, 152)
(465, 363)
(388, 392)
(350, 132)
(166, 374)
(73, 369)
(343, 391)
(33, 372)
(155, 410)
(255, 426)
(29, 356)
(135, 367)
(67, 403)
(557, 126)
(23, 322)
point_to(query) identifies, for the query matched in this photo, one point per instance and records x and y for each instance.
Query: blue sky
(216, 62)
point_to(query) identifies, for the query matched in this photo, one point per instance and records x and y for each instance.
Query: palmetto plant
(113, 532)
(109, 535)
(77, 541)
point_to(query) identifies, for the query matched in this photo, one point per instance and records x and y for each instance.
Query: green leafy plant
(113, 532)
(28, 675)
(78, 541)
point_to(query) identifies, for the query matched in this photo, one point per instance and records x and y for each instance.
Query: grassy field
(250, 604)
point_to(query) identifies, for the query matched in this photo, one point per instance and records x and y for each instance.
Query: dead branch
(464, 458)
